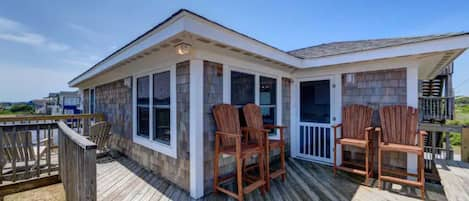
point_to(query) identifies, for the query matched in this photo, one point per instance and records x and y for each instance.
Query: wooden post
(465, 144)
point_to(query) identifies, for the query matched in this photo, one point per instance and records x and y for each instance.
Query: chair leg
(267, 168)
(261, 171)
(239, 176)
(422, 177)
(215, 172)
(335, 159)
(282, 162)
(379, 169)
(367, 150)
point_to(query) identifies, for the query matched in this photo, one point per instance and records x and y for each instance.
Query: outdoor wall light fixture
(183, 48)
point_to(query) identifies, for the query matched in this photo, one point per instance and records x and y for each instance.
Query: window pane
(161, 107)
(161, 88)
(143, 107)
(143, 121)
(143, 90)
(268, 91)
(242, 88)
(161, 118)
(268, 115)
(315, 101)
(92, 98)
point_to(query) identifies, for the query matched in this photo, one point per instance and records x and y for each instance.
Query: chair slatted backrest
(20, 148)
(227, 119)
(100, 134)
(399, 124)
(253, 116)
(355, 119)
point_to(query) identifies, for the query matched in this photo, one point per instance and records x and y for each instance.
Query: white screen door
(315, 137)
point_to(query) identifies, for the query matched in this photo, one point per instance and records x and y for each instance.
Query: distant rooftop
(336, 48)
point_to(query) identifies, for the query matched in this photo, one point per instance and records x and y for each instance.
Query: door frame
(336, 102)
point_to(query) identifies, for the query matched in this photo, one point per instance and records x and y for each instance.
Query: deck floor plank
(124, 179)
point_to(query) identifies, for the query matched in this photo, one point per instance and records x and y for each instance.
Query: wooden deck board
(123, 179)
(454, 177)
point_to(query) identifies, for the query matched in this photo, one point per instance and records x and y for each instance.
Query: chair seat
(401, 148)
(246, 149)
(351, 141)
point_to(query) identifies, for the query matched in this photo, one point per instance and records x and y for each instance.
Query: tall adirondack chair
(398, 133)
(100, 134)
(19, 154)
(355, 129)
(228, 140)
(253, 117)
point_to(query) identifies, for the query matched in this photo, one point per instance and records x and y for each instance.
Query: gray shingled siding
(175, 170)
(376, 89)
(286, 99)
(114, 100)
(213, 95)
(86, 104)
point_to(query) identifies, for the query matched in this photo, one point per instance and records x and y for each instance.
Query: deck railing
(436, 108)
(77, 162)
(34, 150)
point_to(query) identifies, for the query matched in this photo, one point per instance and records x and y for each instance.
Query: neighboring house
(158, 90)
(40, 105)
(64, 102)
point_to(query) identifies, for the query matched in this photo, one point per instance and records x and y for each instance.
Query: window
(143, 106)
(251, 88)
(92, 101)
(268, 99)
(155, 111)
(242, 89)
(161, 107)
(315, 101)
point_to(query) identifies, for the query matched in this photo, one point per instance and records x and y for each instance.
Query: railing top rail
(441, 127)
(75, 137)
(50, 117)
(27, 126)
(436, 97)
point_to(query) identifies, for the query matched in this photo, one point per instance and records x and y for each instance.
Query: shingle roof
(336, 48)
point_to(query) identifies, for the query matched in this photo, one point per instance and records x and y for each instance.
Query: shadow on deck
(123, 179)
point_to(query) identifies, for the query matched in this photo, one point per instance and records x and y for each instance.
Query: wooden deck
(454, 178)
(123, 179)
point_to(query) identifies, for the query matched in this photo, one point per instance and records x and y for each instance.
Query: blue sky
(44, 44)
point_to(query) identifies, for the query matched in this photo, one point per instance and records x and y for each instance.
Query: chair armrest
(234, 135)
(43, 141)
(337, 125)
(269, 126)
(255, 130)
(422, 132)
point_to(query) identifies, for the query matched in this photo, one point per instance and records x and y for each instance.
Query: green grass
(461, 118)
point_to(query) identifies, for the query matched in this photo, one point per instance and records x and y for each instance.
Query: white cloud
(13, 31)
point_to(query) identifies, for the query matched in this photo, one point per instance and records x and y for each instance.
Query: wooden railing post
(465, 144)
(77, 161)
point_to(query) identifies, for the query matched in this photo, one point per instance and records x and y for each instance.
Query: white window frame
(227, 69)
(171, 149)
(94, 100)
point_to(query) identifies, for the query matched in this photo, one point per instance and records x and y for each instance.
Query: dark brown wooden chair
(228, 141)
(355, 131)
(398, 133)
(253, 117)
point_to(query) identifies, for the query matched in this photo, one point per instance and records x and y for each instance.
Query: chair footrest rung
(351, 170)
(277, 173)
(401, 181)
(253, 186)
